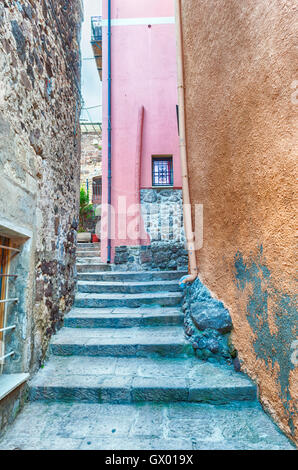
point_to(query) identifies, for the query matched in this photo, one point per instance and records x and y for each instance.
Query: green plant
(86, 210)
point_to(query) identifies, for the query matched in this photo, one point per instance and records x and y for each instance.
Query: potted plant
(86, 212)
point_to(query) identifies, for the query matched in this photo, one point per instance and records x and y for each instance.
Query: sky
(91, 85)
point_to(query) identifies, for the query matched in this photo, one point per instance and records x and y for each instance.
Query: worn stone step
(127, 380)
(95, 268)
(144, 426)
(164, 299)
(89, 260)
(88, 246)
(123, 317)
(88, 254)
(124, 276)
(164, 341)
(130, 287)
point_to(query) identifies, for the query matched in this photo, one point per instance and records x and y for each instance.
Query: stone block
(205, 316)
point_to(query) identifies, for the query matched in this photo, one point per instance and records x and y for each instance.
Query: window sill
(162, 187)
(9, 382)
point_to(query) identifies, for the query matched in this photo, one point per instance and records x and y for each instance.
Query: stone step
(163, 299)
(95, 268)
(137, 426)
(89, 260)
(118, 276)
(158, 341)
(127, 380)
(123, 317)
(88, 254)
(130, 287)
(88, 246)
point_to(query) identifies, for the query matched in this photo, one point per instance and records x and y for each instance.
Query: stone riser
(88, 254)
(123, 350)
(114, 394)
(124, 322)
(93, 268)
(128, 302)
(131, 276)
(128, 288)
(88, 246)
(94, 259)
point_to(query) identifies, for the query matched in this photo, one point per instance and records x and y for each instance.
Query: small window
(162, 171)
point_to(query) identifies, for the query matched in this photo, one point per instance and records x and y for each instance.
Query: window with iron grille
(96, 190)
(7, 252)
(162, 171)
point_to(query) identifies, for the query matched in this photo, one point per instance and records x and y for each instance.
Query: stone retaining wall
(154, 257)
(163, 221)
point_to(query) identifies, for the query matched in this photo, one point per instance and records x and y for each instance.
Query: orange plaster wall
(240, 64)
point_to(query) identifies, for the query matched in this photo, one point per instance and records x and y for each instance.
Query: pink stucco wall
(139, 8)
(143, 74)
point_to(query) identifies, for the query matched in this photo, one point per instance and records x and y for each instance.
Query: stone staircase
(124, 342)
(122, 375)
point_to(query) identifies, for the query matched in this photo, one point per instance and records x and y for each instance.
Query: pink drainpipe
(139, 159)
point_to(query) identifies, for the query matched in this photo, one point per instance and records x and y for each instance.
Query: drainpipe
(139, 159)
(109, 132)
(183, 153)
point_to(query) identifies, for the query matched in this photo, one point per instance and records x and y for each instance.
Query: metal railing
(96, 28)
(6, 254)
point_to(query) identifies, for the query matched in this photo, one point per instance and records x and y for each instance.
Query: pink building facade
(145, 157)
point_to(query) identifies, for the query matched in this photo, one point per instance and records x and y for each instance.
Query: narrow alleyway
(121, 375)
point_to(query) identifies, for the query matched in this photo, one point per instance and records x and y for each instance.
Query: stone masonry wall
(40, 161)
(163, 221)
(208, 325)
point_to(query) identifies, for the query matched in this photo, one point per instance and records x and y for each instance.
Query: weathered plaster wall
(40, 162)
(240, 65)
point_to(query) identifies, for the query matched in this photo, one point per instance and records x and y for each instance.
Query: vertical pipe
(183, 151)
(109, 132)
(139, 160)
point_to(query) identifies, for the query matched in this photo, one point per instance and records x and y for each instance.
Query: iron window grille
(162, 171)
(96, 190)
(6, 254)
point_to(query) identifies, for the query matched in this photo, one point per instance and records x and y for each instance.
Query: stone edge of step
(141, 389)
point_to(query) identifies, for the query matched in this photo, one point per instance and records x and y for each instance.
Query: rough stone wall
(40, 161)
(163, 214)
(241, 112)
(163, 222)
(208, 325)
(158, 256)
